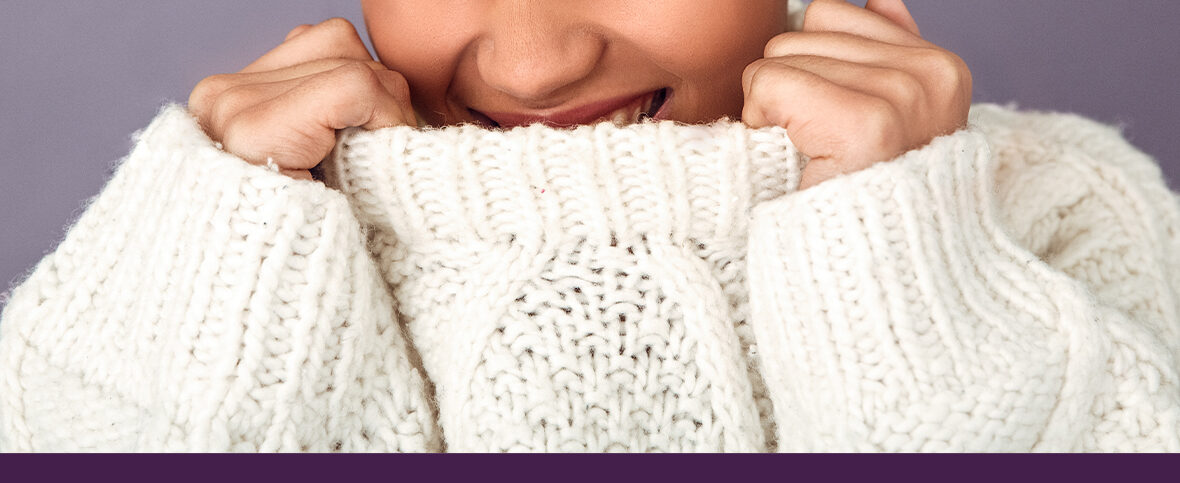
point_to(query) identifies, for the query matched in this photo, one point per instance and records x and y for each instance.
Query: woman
(856, 264)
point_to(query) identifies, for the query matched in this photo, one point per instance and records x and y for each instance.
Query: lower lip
(486, 121)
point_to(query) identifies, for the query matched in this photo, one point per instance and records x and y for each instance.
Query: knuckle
(963, 78)
(944, 66)
(749, 73)
(878, 122)
(948, 76)
(338, 27)
(338, 35)
(762, 72)
(231, 101)
(397, 85)
(779, 45)
(906, 89)
(368, 81)
(767, 93)
(206, 91)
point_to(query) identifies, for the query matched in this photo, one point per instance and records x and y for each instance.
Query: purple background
(78, 78)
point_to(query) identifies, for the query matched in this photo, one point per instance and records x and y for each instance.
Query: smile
(621, 111)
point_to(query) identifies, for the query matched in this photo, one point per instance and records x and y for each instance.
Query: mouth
(621, 111)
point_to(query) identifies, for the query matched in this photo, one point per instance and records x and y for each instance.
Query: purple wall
(79, 77)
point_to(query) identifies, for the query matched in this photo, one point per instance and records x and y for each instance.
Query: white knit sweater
(1010, 287)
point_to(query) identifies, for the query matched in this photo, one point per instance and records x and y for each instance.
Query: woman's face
(565, 62)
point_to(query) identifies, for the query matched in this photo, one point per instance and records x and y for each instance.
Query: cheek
(702, 32)
(706, 44)
(703, 44)
(421, 40)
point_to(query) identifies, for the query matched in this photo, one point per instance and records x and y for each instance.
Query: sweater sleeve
(1010, 287)
(204, 304)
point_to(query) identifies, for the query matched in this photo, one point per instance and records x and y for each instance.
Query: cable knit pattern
(657, 287)
(575, 290)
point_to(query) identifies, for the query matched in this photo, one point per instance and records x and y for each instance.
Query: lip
(585, 114)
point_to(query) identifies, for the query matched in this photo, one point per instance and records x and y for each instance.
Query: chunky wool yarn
(595, 276)
(656, 287)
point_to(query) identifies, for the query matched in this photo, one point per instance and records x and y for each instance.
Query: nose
(532, 50)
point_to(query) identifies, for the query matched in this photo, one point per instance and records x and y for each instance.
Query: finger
(792, 98)
(332, 39)
(902, 89)
(398, 88)
(936, 69)
(842, 46)
(302, 174)
(897, 12)
(881, 87)
(282, 131)
(774, 89)
(296, 31)
(841, 16)
(301, 70)
(215, 114)
(223, 94)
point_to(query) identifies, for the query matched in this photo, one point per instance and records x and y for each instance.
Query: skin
(539, 56)
(854, 87)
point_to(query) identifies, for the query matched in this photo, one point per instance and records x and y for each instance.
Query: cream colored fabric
(585, 288)
(657, 287)
(203, 304)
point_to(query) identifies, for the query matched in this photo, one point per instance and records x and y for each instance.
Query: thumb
(896, 12)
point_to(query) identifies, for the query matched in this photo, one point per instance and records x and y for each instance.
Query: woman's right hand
(287, 106)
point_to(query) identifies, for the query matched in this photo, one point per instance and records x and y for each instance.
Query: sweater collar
(532, 185)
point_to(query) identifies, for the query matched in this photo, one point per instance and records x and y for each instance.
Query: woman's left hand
(856, 86)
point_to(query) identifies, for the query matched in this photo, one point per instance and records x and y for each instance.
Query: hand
(856, 86)
(287, 106)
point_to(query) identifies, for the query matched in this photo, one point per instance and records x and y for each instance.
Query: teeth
(626, 115)
(631, 115)
(620, 117)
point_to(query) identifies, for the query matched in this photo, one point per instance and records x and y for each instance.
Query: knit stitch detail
(623, 246)
(900, 316)
(202, 304)
(1010, 287)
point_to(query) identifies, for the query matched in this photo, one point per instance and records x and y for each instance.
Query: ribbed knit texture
(203, 304)
(576, 290)
(658, 287)
(904, 317)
